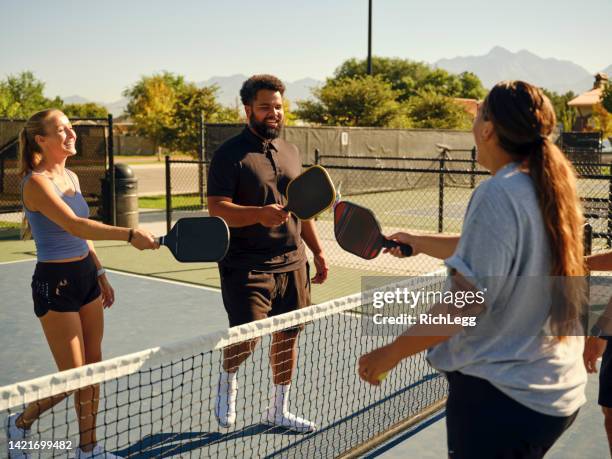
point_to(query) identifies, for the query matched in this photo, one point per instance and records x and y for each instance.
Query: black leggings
(483, 422)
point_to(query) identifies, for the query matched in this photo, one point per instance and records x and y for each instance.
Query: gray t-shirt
(504, 247)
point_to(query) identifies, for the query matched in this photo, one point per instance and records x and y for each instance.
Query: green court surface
(160, 264)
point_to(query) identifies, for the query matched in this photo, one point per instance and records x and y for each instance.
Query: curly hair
(250, 87)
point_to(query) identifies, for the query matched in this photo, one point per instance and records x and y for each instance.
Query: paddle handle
(405, 248)
(160, 240)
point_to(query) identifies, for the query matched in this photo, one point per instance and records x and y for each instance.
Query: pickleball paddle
(358, 232)
(198, 239)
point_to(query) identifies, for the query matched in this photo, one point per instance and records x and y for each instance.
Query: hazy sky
(97, 48)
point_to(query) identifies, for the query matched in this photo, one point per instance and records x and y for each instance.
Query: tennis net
(160, 402)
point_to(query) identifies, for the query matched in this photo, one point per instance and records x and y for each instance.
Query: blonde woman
(516, 380)
(69, 286)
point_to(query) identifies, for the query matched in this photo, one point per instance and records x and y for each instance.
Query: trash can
(126, 197)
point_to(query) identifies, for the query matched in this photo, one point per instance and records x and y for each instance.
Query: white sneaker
(289, 421)
(96, 453)
(14, 433)
(225, 404)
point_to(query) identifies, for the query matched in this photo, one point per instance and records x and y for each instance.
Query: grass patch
(179, 202)
(9, 231)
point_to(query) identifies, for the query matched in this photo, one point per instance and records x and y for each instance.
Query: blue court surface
(149, 312)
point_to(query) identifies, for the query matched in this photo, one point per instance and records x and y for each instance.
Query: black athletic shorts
(605, 376)
(483, 422)
(254, 295)
(64, 287)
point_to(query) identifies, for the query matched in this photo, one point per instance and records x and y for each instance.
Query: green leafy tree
(606, 98)
(87, 110)
(402, 74)
(471, 86)
(192, 103)
(290, 116)
(440, 82)
(602, 120)
(435, 111)
(151, 106)
(565, 114)
(167, 110)
(358, 101)
(23, 95)
(409, 78)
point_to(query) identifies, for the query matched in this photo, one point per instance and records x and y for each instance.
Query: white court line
(166, 281)
(139, 276)
(17, 261)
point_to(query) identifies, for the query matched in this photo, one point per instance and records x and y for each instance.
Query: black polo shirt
(256, 173)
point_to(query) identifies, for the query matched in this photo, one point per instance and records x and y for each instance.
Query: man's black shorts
(254, 295)
(605, 377)
(64, 287)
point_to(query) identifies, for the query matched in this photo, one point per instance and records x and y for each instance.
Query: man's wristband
(101, 272)
(130, 235)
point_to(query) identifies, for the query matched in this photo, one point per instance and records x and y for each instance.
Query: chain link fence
(93, 158)
(406, 193)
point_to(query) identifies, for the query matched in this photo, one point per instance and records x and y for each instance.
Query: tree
(289, 115)
(402, 74)
(471, 86)
(151, 106)
(566, 115)
(606, 98)
(602, 120)
(22, 95)
(167, 110)
(358, 101)
(435, 111)
(87, 110)
(191, 104)
(409, 78)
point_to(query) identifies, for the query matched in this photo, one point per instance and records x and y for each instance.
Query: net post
(168, 196)
(201, 159)
(111, 167)
(317, 155)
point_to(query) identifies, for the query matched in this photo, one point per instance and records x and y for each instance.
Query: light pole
(370, 38)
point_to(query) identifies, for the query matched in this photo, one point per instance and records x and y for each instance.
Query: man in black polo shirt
(265, 272)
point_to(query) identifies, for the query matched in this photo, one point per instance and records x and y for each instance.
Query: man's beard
(263, 130)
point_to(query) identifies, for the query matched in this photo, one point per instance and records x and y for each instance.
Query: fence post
(111, 167)
(317, 153)
(201, 159)
(588, 239)
(441, 197)
(609, 235)
(1, 174)
(168, 196)
(473, 176)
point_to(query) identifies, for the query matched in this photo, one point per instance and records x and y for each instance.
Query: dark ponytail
(523, 119)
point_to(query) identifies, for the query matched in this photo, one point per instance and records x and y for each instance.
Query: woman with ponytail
(69, 285)
(516, 378)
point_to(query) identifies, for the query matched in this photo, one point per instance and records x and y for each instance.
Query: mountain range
(498, 64)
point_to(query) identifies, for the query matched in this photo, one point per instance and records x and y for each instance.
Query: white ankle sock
(228, 379)
(279, 399)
